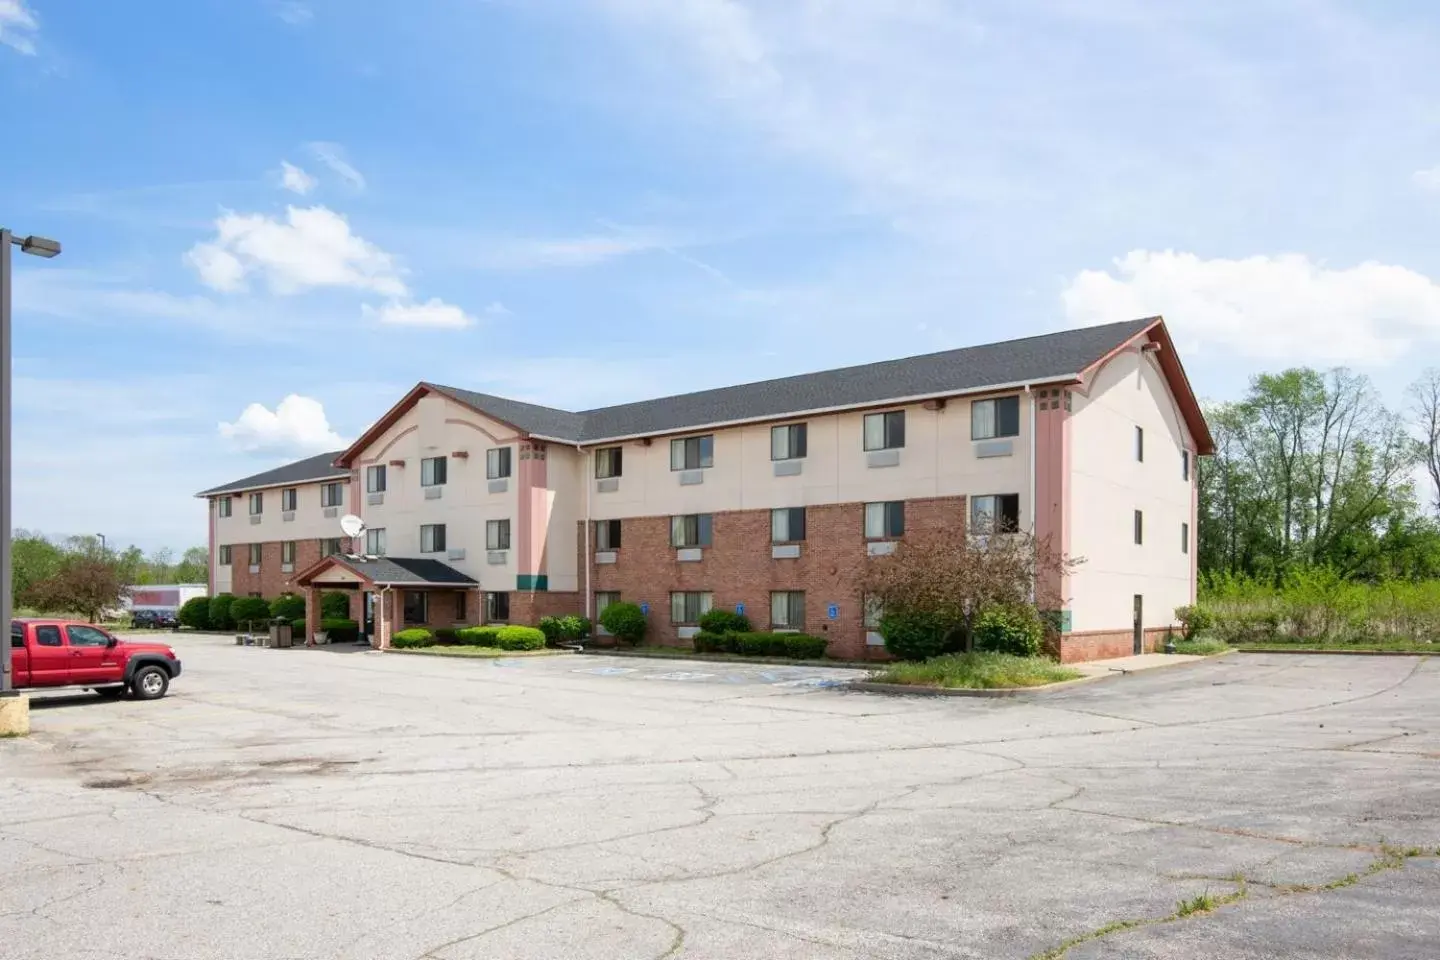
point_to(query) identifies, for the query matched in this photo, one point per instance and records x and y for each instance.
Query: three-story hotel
(768, 497)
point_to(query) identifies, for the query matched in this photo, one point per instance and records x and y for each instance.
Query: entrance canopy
(360, 571)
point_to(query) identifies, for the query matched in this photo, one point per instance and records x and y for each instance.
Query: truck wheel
(109, 693)
(149, 683)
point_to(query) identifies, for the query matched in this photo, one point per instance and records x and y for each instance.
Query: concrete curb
(680, 654)
(908, 690)
(1340, 653)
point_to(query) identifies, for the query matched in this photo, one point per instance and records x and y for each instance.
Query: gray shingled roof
(1047, 357)
(320, 467)
(407, 570)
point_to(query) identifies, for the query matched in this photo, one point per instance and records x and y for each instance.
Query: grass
(978, 671)
(1201, 647)
(474, 653)
(1331, 646)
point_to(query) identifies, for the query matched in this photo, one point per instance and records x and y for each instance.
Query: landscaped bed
(475, 653)
(685, 653)
(499, 641)
(977, 671)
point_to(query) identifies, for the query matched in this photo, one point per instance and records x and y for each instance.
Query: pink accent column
(1052, 485)
(214, 557)
(355, 506)
(1194, 529)
(534, 510)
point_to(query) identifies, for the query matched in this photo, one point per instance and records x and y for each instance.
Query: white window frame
(878, 516)
(373, 473)
(985, 512)
(428, 463)
(375, 542)
(989, 408)
(603, 538)
(704, 530)
(879, 432)
(498, 459)
(257, 554)
(225, 557)
(257, 503)
(782, 525)
(225, 507)
(783, 613)
(289, 498)
(789, 441)
(704, 602)
(332, 494)
(609, 462)
(431, 529)
(497, 534)
(703, 447)
(287, 551)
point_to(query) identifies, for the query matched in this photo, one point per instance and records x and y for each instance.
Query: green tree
(195, 613)
(34, 559)
(85, 585)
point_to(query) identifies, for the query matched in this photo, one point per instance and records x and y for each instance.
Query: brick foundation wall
(1107, 644)
(738, 568)
(270, 582)
(527, 607)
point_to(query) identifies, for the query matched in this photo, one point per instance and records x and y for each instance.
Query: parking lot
(311, 804)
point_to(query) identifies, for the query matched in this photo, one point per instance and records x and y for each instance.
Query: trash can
(281, 633)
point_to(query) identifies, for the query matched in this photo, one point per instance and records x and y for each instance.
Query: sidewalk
(1146, 661)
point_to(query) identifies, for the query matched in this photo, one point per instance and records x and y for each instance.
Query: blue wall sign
(645, 609)
(833, 611)
(740, 609)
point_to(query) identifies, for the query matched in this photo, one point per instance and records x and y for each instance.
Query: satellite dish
(352, 525)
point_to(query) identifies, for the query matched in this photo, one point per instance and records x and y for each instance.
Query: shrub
(802, 646)
(915, 636)
(574, 627)
(341, 630)
(625, 622)
(195, 613)
(477, 636)
(446, 634)
(707, 642)
(519, 638)
(724, 621)
(298, 625)
(1014, 630)
(758, 644)
(550, 626)
(287, 606)
(411, 638)
(249, 611)
(220, 618)
(1194, 620)
(334, 605)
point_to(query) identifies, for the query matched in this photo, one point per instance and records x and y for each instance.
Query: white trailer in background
(163, 597)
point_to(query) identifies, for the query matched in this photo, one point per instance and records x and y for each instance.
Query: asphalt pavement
(306, 804)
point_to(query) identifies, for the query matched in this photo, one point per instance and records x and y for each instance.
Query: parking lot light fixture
(38, 247)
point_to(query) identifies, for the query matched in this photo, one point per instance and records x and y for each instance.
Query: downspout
(587, 479)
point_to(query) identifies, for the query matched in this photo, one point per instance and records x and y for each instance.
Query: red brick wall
(1107, 644)
(738, 568)
(527, 607)
(270, 582)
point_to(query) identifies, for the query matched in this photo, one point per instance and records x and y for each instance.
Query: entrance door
(1139, 624)
(367, 603)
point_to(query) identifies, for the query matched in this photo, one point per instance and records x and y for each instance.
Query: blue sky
(278, 215)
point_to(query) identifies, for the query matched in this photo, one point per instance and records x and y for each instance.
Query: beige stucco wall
(1108, 485)
(437, 426)
(938, 460)
(565, 492)
(310, 522)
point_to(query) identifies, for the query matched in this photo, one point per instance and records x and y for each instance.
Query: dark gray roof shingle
(320, 467)
(1044, 357)
(417, 570)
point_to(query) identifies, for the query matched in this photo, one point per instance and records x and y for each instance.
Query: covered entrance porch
(396, 592)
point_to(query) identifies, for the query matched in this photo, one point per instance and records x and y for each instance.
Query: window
(497, 534)
(885, 431)
(1185, 465)
(692, 453)
(417, 606)
(87, 637)
(47, 635)
(288, 498)
(497, 607)
(224, 554)
(331, 547)
(1139, 527)
(688, 607)
(995, 514)
(787, 610)
(608, 462)
(432, 472)
(257, 504)
(1184, 538)
(692, 530)
(375, 479)
(607, 534)
(884, 520)
(460, 606)
(375, 542)
(432, 538)
(874, 611)
(332, 494)
(787, 525)
(787, 442)
(225, 506)
(287, 551)
(497, 463)
(603, 599)
(255, 554)
(1140, 444)
(995, 418)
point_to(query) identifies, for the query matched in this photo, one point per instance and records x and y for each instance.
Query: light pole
(103, 552)
(39, 247)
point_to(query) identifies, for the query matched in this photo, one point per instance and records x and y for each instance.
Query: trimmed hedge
(796, 646)
(724, 621)
(195, 613)
(414, 637)
(625, 622)
(298, 626)
(519, 638)
(287, 606)
(341, 631)
(220, 611)
(477, 636)
(249, 611)
(446, 635)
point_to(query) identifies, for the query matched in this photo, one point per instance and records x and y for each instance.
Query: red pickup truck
(66, 653)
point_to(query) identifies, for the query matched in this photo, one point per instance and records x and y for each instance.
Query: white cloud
(1284, 308)
(497, 309)
(1427, 179)
(433, 313)
(296, 426)
(18, 26)
(294, 179)
(333, 156)
(527, 254)
(312, 247)
(294, 12)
